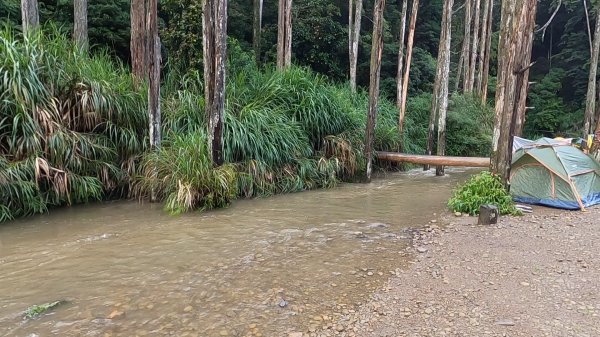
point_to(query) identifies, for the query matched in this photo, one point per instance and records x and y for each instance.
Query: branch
(459, 8)
(587, 19)
(543, 29)
(520, 71)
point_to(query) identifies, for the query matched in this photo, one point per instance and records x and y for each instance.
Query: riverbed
(261, 267)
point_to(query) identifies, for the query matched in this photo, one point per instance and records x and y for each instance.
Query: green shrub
(483, 188)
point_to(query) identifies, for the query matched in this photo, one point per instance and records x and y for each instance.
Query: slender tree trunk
(587, 21)
(284, 34)
(482, 45)
(154, 59)
(486, 58)
(138, 45)
(590, 101)
(433, 115)
(514, 59)
(257, 29)
(355, 15)
(409, 48)
(470, 80)
(375, 69)
(463, 63)
(80, 23)
(29, 15)
(443, 71)
(400, 73)
(522, 69)
(214, 33)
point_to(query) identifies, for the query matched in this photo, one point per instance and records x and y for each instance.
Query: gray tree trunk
(518, 20)
(409, 48)
(284, 34)
(482, 46)
(154, 115)
(354, 16)
(463, 63)
(375, 69)
(443, 72)
(257, 29)
(486, 58)
(590, 101)
(214, 33)
(400, 74)
(29, 15)
(470, 80)
(80, 24)
(138, 45)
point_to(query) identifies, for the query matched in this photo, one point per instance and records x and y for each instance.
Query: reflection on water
(261, 267)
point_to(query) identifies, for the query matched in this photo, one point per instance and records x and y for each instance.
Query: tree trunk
(443, 72)
(354, 15)
(482, 46)
(257, 29)
(154, 59)
(472, 65)
(523, 65)
(375, 69)
(486, 58)
(400, 73)
(432, 118)
(590, 101)
(284, 34)
(80, 24)
(138, 45)
(409, 48)
(514, 59)
(463, 63)
(29, 15)
(214, 34)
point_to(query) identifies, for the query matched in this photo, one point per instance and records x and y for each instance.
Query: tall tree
(463, 63)
(485, 73)
(214, 37)
(138, 45)
(375, 69)
(482, 46)
(257, 28)
(443, 73)
(80, 23)
(470, 76)
(590, 101)
(514, 59)
(284, 34)
(409, 51)
(354, 19)
(154, 74)
(400, 74)
(29, 15)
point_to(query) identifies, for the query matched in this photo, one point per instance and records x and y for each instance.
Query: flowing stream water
(261, 267)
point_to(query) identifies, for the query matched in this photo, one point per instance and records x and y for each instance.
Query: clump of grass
(40, 309)
(483, 188)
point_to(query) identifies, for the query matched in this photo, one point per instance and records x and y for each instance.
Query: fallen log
(434, 160)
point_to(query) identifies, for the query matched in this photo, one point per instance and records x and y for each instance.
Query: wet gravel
(535, 275)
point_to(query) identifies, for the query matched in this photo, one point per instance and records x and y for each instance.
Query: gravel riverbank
(536, 275)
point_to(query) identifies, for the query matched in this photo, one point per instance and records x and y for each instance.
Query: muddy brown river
(262, 267)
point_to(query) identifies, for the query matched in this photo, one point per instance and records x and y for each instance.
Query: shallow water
(261, 267)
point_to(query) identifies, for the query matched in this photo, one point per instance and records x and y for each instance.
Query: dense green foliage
(482, 189)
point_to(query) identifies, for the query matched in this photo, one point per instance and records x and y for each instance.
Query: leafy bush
(483, 188)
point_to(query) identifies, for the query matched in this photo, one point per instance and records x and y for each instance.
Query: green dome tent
(553, 173)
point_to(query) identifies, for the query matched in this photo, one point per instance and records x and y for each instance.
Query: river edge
(535, 275)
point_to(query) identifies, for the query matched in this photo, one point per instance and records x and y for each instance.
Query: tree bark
(284, 34)
(472, 65)
(354, 16)
(375, 69)
(409, 48)
(138, 44)
(214, 33)
(154, 115)
(443, 72)
(514, 59)
(523, 66)
(434, 160)
(463, 63)
(257, 29)
(80, 24)
(486, 58)
(482, 46)
(400, 74)
(590, 101)
(29, 15)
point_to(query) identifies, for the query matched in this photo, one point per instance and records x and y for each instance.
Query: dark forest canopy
(561, 54)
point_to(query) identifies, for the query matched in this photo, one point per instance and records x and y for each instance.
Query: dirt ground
(536, 275)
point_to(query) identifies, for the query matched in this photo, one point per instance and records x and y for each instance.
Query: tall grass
(71, 125)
